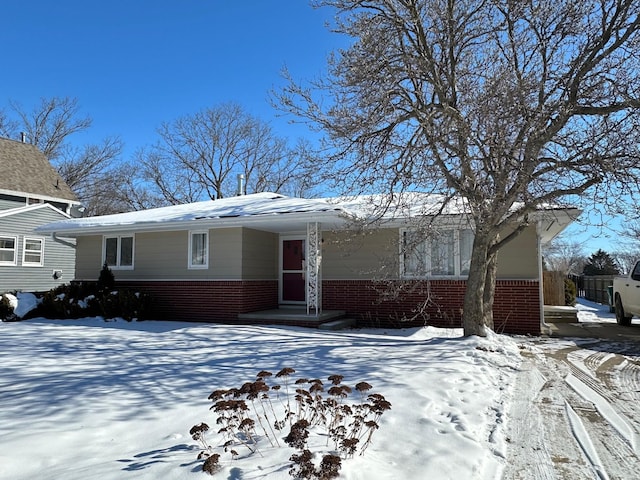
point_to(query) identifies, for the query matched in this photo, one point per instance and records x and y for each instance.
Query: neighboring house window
(118, 252)
(33, 252)
(198, 249)
(446, 253)
(8, 250)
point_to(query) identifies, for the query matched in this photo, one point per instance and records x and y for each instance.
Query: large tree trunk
(477, 315)
(489, 290)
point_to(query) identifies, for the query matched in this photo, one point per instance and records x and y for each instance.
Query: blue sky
(133, 64)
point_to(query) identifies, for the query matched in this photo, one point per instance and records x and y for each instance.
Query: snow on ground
(94, 399)
(594, 312)
(574, 411)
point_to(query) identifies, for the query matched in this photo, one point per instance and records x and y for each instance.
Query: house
(240, 259)
(32, 194)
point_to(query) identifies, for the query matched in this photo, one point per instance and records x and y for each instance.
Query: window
(8, 250)
(414, 254)
(442, 254)
(466, 246)
(198, 249)
(33, 252)
(118, 252)
(445, 253)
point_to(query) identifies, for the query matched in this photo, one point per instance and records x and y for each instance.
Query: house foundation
(371, 303)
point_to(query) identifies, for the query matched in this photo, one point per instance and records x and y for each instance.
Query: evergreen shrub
(570, 292)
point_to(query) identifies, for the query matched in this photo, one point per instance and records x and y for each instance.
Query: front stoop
(556, 314)
(291, 316)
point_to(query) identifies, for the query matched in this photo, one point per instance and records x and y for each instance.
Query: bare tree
(508, 104)
(564, 255)
(91, 170)
(93, 175)
(49, 124)
(199, 156)
(626, 258)
(7, 125)
(291, 173)
(627, 251)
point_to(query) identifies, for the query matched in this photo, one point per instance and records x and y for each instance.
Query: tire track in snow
(541, 446)
(621, 377)
(604, 408)
(584, 440)
(607, 427)
(591, 390)
(617, 375)
(586, 430)
(527, 448)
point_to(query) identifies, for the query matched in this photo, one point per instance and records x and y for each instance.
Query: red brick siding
(209, 301)
(516, 304)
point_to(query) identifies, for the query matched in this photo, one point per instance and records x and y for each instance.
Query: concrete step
(339, 324)
(553, 314)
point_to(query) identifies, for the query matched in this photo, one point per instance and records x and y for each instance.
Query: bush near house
(91, 299)
(85, 299)
(88, 299)
(6, 310)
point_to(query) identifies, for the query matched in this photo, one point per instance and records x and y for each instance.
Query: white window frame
(25, 252)
(426, 247)
(117, 265)
(198, 266)
(14, 250)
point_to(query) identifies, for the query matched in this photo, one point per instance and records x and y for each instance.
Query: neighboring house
(222, 260)
(32, 194)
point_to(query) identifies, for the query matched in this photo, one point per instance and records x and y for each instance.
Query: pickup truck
(626, 296)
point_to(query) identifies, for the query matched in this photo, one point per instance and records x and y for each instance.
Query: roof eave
(47, 198)
(199, 223)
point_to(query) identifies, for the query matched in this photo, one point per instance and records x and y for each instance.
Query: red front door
(293, 271)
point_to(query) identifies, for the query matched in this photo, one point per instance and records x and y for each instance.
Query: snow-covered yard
(89, 399)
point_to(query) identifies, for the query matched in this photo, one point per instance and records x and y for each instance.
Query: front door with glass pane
(293, 266)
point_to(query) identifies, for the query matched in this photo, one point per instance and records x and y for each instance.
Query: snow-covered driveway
(576, 410)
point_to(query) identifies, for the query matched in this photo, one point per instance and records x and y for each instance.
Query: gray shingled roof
(25, 169)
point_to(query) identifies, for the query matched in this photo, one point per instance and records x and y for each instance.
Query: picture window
(446, 253)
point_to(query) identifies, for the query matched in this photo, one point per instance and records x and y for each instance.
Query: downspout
(544, 327)
(57, 239)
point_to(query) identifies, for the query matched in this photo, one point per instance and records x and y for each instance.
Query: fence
(593, 288)
(553, 288)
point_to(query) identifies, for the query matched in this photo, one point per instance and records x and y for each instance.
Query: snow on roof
(269, 210)
(400, 205)
(257, 204)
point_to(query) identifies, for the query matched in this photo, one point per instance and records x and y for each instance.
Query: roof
(278, 213)
(261, 210)
(26, 171)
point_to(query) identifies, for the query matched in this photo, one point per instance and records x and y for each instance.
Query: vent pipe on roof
(241, 185)
(23, 137)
